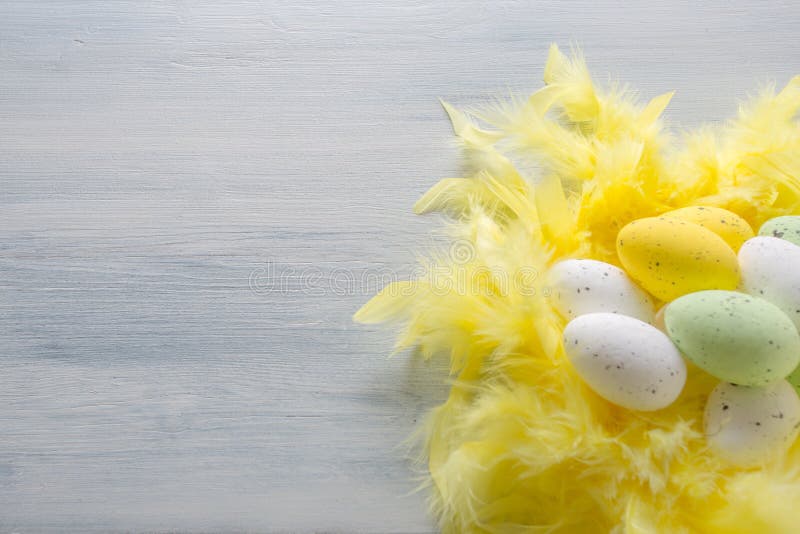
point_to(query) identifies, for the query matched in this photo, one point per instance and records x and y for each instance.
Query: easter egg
(736, 337)
(787, 228)
(730, 227)
(749, 425)
(589, 286)
(624, 360)
(670, 257)
(770, 268)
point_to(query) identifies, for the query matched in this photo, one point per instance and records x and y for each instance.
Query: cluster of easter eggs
(731, 307)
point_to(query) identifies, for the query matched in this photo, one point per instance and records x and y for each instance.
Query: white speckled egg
(748, 425)
(624, 360)
(589, 286)
(770, 269)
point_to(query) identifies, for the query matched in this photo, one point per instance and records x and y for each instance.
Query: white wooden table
(190, 193)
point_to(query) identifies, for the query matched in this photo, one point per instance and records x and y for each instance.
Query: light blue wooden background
(157, 159)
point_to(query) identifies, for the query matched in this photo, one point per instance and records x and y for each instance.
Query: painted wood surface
(195, 196)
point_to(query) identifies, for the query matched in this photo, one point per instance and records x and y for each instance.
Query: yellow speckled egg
(671, 257)
(726, 224)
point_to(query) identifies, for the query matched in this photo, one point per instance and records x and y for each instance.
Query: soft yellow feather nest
(522, 445)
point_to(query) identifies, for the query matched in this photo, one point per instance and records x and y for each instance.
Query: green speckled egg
(736, 337)
(787, 228)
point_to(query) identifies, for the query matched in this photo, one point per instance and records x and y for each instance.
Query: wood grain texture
(190, 193)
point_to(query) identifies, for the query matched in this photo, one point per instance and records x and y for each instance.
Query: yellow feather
(451, 195)
(577, 95)
(655, 108)
(392, 303)
(466, 130)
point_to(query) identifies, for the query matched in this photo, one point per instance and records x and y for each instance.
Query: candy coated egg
(787, 228)
(730, 227)
(624, 360)
(770, 268)
(749, 425)
(736, 337)
(588, 286)
(670, 257)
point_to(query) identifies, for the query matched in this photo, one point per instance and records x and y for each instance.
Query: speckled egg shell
(735, 337)
(750, 425)
(670, 257)
(770, 268)
(730, 227)
(589, 286)
(787, 228)
(624, 360)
